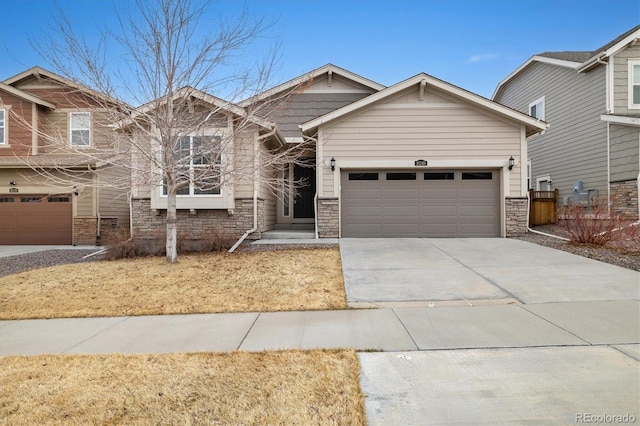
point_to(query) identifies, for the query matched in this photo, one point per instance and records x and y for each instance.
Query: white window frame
(545, 178)
(192, 167)
(540, 108)
(72, 129)
(632, 63)
(3, 126)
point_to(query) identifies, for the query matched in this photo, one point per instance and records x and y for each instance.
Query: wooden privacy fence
(544, 207)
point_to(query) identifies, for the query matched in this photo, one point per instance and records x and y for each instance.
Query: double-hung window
(198, 160)
(536, 109)
(3, 127)
(634, 84)
(80, 128)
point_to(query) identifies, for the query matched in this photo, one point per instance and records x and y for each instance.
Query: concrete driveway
(482, 363)
(391, 270)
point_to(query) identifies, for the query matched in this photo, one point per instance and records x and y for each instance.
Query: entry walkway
(389, 329)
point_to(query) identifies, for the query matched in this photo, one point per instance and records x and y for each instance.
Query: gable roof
(293, 83)
(26, 96)
(610, 48)
(533, 125)
(581, 61)
(41, 72)
(219, 103)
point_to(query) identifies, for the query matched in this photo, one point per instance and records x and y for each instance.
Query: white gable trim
(535, 58)
(622, 120)
(421, 79)
(313, 74)
(594, 60)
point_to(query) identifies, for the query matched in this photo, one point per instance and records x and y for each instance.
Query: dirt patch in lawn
(288, 387)
(281, 280)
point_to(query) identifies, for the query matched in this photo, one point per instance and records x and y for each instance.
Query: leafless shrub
(592, 223)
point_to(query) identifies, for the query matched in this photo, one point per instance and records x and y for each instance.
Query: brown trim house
(50, 192)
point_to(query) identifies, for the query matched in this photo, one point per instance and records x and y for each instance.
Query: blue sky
(472, 44)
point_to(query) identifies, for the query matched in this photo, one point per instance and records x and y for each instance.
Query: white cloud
(483, 57)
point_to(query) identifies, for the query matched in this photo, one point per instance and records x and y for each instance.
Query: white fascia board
(622, 120)
(535, 58)
(26, 96)
(430, 81)
(313, 74)
(586, 65)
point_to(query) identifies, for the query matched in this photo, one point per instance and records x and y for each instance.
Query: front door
(303, 203)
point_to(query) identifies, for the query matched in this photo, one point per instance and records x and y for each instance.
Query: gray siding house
(591, 101)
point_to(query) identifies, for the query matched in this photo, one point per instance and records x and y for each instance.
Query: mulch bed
(623, 253)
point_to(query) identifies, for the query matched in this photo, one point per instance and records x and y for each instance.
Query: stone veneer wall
(199, 225)
(84, 231)
(624, 198)
(328, 218)
(516, 216)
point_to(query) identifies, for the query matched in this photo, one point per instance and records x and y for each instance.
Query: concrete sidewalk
(390, 329)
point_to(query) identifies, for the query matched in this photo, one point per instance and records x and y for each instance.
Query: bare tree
(171, 68)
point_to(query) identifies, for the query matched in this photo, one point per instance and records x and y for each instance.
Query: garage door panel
(401, 229)
(363, 194)
(440, 211)
(27, 221)
(370, 229)
(435, 206)
(401, 210)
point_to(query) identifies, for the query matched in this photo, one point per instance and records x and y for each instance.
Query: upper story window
(536, 108)
(199, 160)
(80, 128)
(634, 84)
(3, 127)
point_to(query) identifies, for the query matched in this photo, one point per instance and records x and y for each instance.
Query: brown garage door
(35, 219)
(399, 203)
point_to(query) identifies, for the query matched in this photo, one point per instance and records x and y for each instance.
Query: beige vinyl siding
(113, 200)
(574, 147)
(621, 79)
(85, 203)
(243, 158)
(430, 131)
(625, 143)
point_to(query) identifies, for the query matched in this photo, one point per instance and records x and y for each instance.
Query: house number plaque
(420, 162)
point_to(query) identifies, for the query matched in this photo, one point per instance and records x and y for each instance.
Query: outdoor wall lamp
(333, 164)
(512, 162)
(12, 183)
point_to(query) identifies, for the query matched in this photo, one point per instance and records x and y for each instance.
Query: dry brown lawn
(289, 387)
(281, 280)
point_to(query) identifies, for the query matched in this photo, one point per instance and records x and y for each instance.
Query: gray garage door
(399, 203)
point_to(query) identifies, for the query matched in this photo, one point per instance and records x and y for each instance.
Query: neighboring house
(49, 192)
(591, 101)
(422, 158)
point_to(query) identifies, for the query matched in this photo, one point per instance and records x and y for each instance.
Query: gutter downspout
(102, 250)
(255, 190)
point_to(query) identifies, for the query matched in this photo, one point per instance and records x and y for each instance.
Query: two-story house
(591, 100)
(56, 186)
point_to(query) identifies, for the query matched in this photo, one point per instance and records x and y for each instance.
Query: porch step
(309, 227)
(288, 234)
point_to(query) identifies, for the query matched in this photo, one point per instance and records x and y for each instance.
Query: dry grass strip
(267, 281)
(288, 387)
